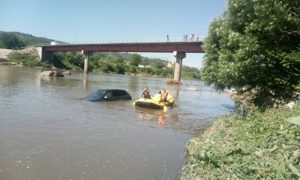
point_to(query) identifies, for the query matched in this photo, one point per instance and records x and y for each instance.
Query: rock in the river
(52, 73)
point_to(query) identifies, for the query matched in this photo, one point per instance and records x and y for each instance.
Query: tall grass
(26, 58)
(259, 145)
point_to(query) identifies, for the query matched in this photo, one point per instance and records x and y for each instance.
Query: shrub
(28, 58)
(259, 145)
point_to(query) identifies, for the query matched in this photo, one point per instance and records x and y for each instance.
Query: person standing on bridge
(185, 37)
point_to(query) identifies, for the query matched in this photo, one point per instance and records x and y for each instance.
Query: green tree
(145, 61)
(135, 59)
(120, 68)
(69, 60)
(167, 72)
(132, 69)
(11, 41)
(107, 67)
(255, 47)
(159, 65)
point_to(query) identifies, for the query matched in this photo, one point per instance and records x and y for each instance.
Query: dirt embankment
(28, 50)
(4, 53)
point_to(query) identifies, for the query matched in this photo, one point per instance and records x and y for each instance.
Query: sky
(106, 21)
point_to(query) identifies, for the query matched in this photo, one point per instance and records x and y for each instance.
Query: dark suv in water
(108, 95)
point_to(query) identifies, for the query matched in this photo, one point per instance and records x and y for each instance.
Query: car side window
(123, 93)
(108, 95)
(116, 93)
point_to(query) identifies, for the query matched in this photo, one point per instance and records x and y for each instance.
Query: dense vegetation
(261, 145)
(121, 63)
(255, 48)
(17, 40)
(27, 57)
(11, 41)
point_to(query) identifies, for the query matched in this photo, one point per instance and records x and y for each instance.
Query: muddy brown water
(47, 131)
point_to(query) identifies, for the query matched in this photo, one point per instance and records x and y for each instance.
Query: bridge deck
(189, 47)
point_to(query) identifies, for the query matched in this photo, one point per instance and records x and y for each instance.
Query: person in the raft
(146, 93)
(164, 95)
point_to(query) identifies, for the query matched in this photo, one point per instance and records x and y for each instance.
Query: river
(47, 130)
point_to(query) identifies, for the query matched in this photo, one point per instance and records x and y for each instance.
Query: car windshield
(96, 94)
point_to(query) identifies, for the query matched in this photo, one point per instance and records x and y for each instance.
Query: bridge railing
(136, 40)
(141, 40)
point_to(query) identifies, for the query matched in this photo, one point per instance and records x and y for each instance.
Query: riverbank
(5, 52)
(256, 146)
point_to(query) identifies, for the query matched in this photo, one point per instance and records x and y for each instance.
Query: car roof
(111, 90)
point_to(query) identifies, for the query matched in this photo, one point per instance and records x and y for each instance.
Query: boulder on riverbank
(52, 73)
(67, 73)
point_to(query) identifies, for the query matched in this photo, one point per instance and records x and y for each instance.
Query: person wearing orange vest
(164, 95)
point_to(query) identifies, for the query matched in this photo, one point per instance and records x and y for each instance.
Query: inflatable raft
(154, 102)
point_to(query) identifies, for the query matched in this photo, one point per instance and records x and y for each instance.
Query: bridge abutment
(178, 64)
(41, 53)
(45, 55)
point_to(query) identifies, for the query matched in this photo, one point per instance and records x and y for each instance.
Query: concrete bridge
(179, 50)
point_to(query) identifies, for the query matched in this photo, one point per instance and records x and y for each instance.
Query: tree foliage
(68, 60)
(11, 41)
(255, 47)
(25, 39)
(160, 65)
(120, 63)
(135, 59)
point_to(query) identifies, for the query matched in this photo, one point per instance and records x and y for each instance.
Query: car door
(123, 95)
(108, 96)
(116, 94)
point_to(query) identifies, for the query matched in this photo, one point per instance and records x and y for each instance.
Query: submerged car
(108, 95)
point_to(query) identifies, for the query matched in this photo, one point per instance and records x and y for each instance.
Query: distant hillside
(22, 39)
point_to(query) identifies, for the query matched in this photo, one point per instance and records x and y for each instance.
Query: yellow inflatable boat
(154, 102)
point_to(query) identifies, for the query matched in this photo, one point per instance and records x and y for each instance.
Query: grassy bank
(260, 145)
(28, 57)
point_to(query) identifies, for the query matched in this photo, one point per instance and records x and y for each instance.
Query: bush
(260, 145)
(69, 60)
(26, 58)
(120, 68)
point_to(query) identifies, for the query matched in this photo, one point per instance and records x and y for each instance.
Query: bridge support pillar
(86, 61)
(177, 69)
